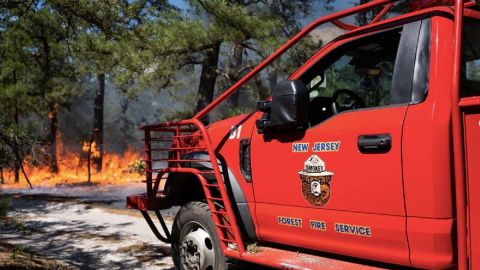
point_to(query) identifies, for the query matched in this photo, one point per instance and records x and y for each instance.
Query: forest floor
(82, 227)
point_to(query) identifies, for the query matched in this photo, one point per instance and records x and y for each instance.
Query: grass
(16, 250)
(19, 257)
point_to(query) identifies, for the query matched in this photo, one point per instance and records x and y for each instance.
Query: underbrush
(4, 205)
(5, 221)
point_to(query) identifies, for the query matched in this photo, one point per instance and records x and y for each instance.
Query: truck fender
(180, 190)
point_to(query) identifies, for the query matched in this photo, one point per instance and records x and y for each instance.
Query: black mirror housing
(288, 109)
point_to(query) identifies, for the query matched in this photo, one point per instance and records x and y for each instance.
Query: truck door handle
(374, 144)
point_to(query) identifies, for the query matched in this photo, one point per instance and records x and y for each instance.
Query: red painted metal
(407, 199)
(148, 162)
(344, 26)
(382, 13)
(427, 159)
(144, 202)
(470, 107)
(285, 259)
(469, 102)
(179, 142)
(457, 138)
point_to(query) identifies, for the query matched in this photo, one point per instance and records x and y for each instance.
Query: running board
(284, 259)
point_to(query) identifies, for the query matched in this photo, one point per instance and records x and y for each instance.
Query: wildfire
(95, 153)
(117, 169)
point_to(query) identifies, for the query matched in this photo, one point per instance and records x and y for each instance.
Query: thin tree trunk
(25, 175)
(19, 160)
(89, 159)
(16, 165)
(208, 78)
(52, 115)
(2, 180)
(235, 64)
(52, 137)
(16, 172)
(98, 121)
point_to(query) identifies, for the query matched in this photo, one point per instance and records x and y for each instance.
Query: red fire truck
(367, 156)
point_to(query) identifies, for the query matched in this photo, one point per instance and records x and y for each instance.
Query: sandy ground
(85, 227)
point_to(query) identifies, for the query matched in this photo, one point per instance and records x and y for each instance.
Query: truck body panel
(472, 142)
(378, 182)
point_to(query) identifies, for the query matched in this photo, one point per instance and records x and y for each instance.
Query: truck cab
(351, 162)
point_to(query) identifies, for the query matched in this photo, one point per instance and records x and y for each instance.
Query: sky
(338, 5)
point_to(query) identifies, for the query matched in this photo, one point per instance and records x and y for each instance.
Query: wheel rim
(196, 248)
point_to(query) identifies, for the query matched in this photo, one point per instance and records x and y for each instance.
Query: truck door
(337, 185)
(470, 92)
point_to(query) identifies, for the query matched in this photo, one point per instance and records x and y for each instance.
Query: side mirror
(288, 108)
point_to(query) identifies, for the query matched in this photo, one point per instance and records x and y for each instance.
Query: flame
(94, 151)
(117, 170)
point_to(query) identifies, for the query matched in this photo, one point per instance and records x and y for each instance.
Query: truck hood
(220, 131)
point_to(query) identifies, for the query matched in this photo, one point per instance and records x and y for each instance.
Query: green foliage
(17, 249)
(51, 49)
(136, 167)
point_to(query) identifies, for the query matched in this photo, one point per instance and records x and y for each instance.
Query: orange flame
(117, 169)
(94, 151)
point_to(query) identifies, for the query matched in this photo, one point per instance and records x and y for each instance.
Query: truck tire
(195, 243)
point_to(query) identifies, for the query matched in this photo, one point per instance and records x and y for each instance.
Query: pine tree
(48, 76)
(103, 30)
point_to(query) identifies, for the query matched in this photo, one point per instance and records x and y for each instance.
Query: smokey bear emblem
(315, 181)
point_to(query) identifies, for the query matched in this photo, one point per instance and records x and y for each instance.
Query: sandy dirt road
(87, 227)
(95, 233)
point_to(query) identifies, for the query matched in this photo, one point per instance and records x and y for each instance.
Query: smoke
(122, 117)
(326, 33)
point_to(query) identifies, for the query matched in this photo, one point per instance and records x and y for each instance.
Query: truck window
(471, 58)
(355, 76)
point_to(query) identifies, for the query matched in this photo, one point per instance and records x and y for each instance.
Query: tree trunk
(97, 160)
(2, 180)
(16, 172)
(16, 165)
(235, 64)
(52, 136)
(20, 162)
(89, 160)
(208, 78)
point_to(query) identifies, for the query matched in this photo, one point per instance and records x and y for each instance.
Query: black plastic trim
(245, 160)
(405, 63)
(421, 71)
(374, 144)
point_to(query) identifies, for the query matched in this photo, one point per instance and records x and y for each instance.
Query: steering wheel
(355, 103)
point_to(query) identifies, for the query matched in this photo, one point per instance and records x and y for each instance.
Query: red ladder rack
(175, 143)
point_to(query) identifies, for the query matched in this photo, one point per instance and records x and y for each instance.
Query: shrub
(4, 205)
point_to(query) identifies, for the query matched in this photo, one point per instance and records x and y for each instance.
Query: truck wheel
(195, 244)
